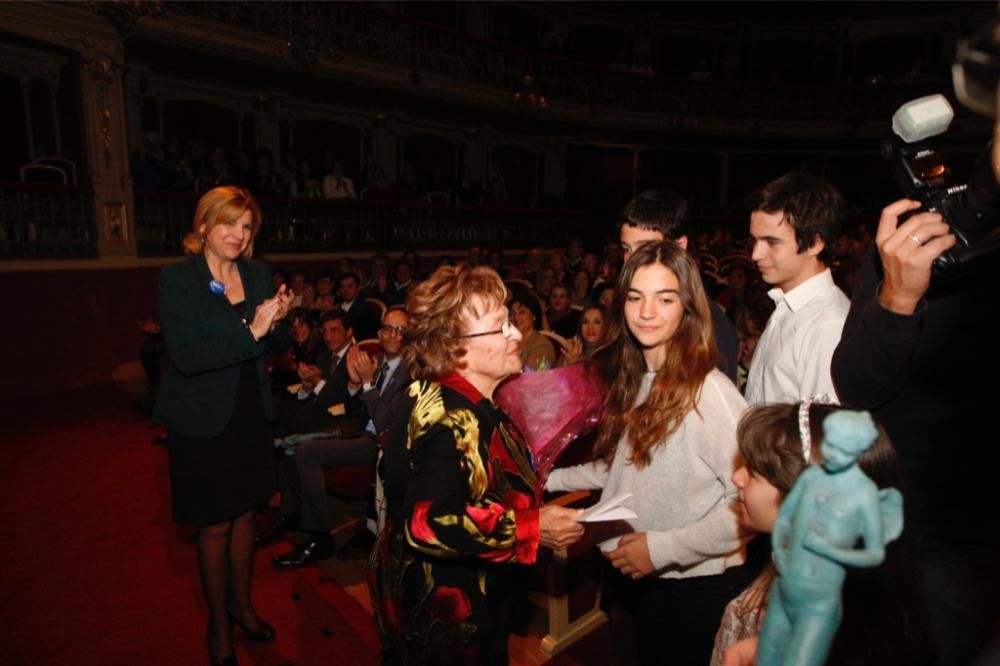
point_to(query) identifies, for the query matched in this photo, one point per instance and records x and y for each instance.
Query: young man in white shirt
(793, 223)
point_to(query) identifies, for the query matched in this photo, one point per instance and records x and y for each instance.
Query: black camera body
(972, 209)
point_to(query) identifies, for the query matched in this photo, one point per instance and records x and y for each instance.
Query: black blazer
(312, 415)
(207, 343)
(365, 319)
(334, 392)
(380, 407)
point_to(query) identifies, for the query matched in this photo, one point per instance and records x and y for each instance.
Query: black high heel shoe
(264, 633)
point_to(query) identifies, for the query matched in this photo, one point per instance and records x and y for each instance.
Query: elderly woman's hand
(558, 526)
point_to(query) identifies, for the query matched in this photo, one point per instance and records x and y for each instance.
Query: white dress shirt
(792, 359)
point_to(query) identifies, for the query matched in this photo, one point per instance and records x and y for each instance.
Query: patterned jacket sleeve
(459, 505)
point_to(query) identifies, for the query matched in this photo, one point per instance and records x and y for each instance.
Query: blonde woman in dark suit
(219, 315)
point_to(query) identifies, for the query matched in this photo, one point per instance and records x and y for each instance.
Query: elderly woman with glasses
(463, 499)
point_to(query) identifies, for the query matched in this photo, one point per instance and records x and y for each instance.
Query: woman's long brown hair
(691, 355)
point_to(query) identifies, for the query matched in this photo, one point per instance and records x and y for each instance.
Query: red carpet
(93, 571)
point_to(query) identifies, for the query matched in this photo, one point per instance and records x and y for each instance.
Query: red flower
(449, 604)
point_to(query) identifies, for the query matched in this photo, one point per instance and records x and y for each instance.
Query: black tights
(225, 562)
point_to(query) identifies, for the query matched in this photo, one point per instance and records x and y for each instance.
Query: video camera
(971, 209)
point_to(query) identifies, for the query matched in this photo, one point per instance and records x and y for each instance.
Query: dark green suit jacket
(207, 342)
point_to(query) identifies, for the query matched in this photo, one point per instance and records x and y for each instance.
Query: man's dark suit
(365, 319)
(304, 487)
(312, 414)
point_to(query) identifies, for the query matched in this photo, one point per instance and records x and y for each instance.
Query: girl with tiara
(884, 622)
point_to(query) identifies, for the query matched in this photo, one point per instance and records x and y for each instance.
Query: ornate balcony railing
(316, 225)
(46, 222)
(312, 31)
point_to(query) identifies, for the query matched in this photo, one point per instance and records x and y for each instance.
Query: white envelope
(609, 509)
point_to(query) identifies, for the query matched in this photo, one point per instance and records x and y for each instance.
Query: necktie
(382, 372)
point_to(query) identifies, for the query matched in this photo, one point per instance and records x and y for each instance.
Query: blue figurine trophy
(834, 517)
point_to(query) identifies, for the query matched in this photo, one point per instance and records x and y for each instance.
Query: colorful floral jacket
(462, 498)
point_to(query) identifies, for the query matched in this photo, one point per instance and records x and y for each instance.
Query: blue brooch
(217, 287)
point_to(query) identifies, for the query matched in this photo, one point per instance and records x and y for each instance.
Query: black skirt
(215, 479)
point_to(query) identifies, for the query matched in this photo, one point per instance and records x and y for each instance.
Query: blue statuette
(217, 287)
(834, 517)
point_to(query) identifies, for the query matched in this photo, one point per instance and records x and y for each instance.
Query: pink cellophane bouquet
(552, 408)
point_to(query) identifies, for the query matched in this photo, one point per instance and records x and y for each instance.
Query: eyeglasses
(506, 330)
(393, 330)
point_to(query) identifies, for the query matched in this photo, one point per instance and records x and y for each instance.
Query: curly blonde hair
(218, 205)
(437, 307)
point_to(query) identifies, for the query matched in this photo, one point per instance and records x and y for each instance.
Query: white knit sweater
(684, 497)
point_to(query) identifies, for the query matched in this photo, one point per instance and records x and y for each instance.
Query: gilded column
(103, 100)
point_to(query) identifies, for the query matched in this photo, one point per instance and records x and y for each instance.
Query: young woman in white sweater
(668, 437)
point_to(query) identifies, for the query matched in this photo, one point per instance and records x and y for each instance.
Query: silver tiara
(805, 432)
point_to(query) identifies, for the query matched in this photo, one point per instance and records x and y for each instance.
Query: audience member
(409, 190)
(379, 190)
(217, 172)
(467, 191)
(537, 352)
(400, 288)
(557, 262)
(593, 327)
(378, 284)
(178, 173)
(364, 315)
(264, 180)
(562, 319)
(580, 295)
(303, 184)
(376, 386)
(322, 398)
(338, 186)
(299, 283)
(574, 254)
(306, 346)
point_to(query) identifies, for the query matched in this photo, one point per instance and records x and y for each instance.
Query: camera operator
(916, 348)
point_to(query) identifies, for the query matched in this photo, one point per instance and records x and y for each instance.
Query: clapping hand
(270, 311)
(284, 298)
(310, 375)
(360, 366)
